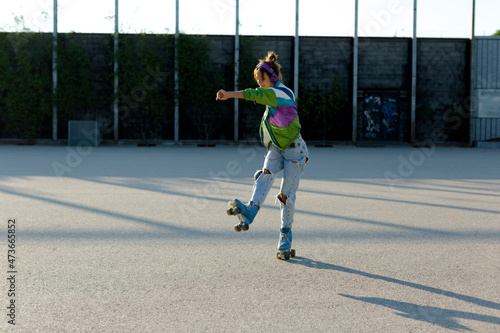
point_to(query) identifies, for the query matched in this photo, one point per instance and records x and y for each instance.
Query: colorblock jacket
(280, 124)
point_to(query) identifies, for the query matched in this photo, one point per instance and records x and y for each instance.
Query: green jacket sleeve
(261, 96)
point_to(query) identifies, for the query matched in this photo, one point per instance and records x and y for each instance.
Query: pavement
(136, 239)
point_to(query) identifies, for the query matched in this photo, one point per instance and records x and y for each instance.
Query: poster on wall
(381, 116)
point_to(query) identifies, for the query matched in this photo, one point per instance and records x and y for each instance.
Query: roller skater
(286, 150)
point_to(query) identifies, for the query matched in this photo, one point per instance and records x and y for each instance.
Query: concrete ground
(136, 239)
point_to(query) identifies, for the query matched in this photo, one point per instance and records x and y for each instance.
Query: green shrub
(25, 84)
(198, 83)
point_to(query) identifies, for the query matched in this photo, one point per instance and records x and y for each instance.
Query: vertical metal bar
(176, 74)
(482, 134)
(414, 75)
(236, 70)
(472, 73)
(115, 74)
(490, 130)
(296, 53)
(355, 76)
(54, 74)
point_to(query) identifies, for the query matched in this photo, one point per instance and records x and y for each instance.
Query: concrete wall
(443, 74)
(322, 61)
(384, 71)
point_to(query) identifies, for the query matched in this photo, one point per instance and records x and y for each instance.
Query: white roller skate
(285, 250)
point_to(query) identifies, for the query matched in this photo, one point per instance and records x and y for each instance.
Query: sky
(377, 18)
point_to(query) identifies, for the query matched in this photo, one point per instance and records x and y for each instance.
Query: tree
(497, 33)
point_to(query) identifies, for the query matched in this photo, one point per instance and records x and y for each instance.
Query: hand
(222, 95)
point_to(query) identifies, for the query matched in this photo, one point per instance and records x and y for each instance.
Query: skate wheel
(244, 226)
(292, 253)
(283, 255)
(237, 228)
(229, 211)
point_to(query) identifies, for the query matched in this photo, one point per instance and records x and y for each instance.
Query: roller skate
(245, 213)
(285, 250)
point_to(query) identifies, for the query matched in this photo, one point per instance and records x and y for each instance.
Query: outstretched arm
(223, 94)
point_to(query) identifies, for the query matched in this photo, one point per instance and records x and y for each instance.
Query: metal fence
(486, 115)
(481, 73)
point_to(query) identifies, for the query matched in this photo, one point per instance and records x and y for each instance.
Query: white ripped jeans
(292, 162)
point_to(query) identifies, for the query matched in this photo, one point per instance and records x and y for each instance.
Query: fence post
(236, 70)
(176, 74)
(115, 76)
(414, 75)
(355, 76)
(54, 74)
(296, 53)
(472, 73)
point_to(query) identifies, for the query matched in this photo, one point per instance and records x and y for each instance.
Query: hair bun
(271, 56)
(271, 60)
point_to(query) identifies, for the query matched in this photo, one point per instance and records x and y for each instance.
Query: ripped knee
(282, 198)
(260, 172)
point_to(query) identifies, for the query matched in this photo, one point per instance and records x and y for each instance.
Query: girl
(286, 150)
